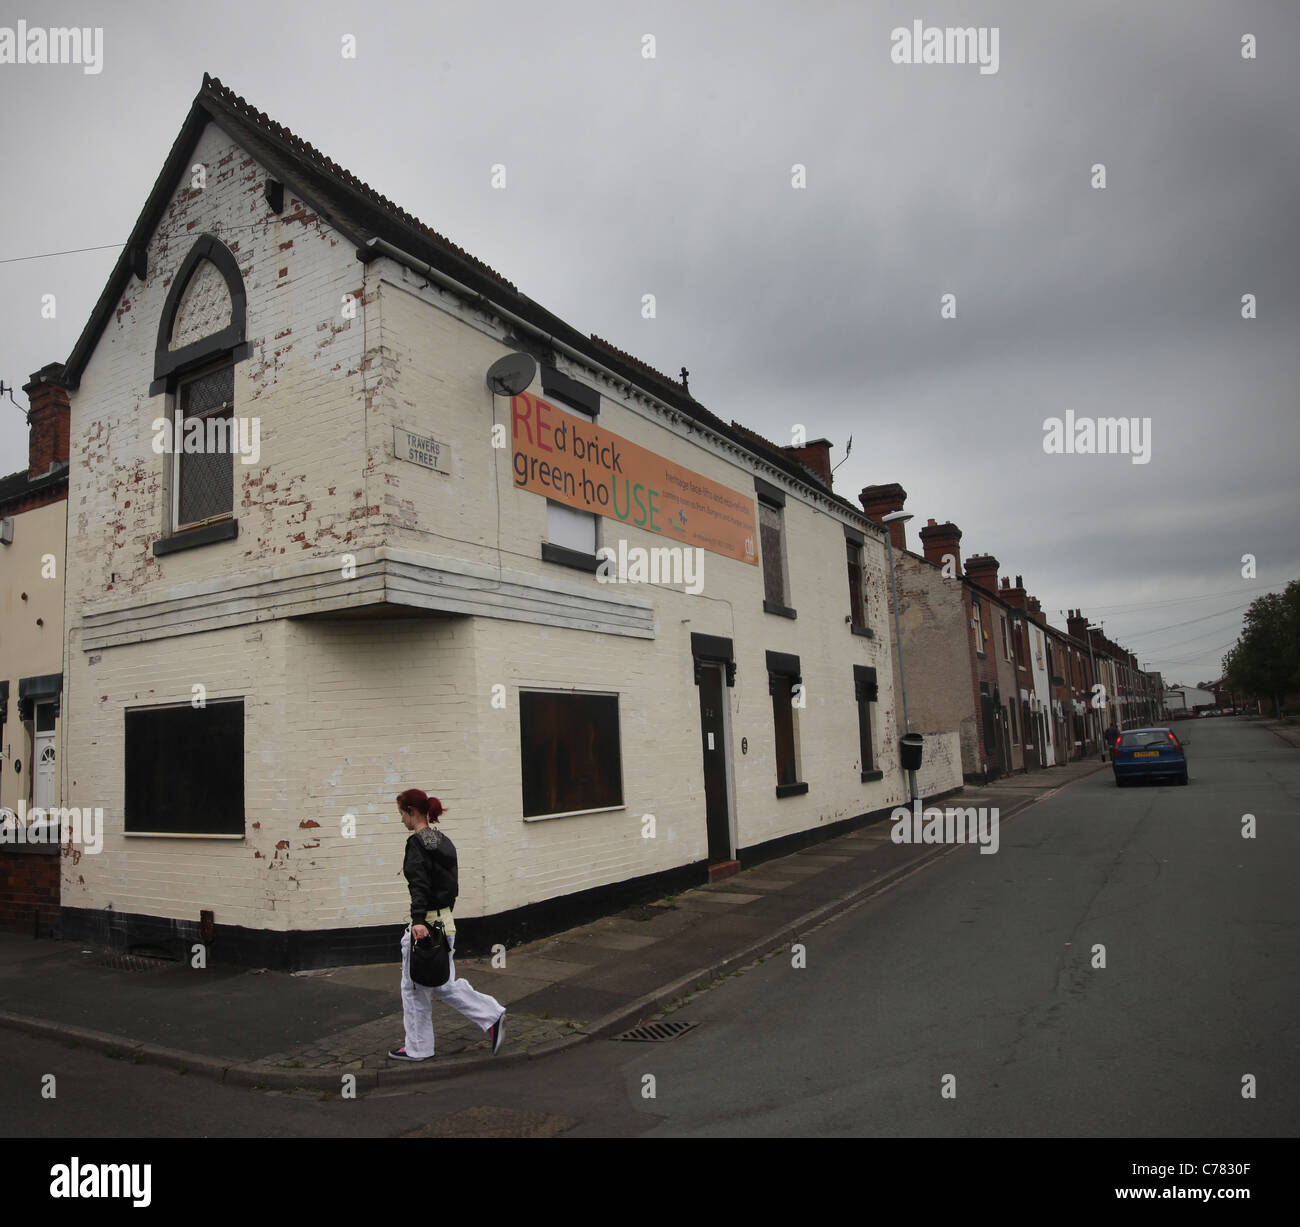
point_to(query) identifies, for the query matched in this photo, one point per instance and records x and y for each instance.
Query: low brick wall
(29, 889)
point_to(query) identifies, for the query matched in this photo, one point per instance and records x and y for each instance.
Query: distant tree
(1265, 663)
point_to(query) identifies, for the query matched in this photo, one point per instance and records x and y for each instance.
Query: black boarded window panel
(856, 611)
(769, 532)
(185, 769)
(570, 752)
(783, 718)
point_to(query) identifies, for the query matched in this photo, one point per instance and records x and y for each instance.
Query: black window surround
(713, 649)
(783, 664)
(856, 544)
(4, 701)
(569, 392)
(774, 568)
(773, 496)
(558, 386)
(782, 676)
(562, 556)
(223, 530)
(45, 687)
(866, 692)
(170, 366)
(168, 363)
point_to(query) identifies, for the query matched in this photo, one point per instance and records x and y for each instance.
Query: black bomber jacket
(430, 869)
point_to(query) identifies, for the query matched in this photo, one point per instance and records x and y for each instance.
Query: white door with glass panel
(43, 757)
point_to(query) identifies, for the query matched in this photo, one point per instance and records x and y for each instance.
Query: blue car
(1148, 752)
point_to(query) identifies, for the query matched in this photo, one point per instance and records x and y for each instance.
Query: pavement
(307, 1029)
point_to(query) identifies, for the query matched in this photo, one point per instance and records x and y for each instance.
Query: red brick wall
(29, 887)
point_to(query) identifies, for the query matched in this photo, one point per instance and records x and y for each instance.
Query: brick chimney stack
(1014, 596)
(48, 420)
(814, 455)
(879, 501)
(982, 569)
(1076, 624)
(940, 539)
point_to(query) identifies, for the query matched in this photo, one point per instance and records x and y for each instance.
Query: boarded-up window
(857, 610)
(783, 718)
(866, 692)
(769, 531)
(570, 752)
(782, 677)
(185, 769)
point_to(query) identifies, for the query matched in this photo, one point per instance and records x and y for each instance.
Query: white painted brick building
(253, 673)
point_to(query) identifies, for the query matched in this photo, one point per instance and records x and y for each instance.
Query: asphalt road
(975, 976)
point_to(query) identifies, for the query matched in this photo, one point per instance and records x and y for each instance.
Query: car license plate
(1146, 753)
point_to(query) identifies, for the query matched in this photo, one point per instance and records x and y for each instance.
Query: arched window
(201, 336)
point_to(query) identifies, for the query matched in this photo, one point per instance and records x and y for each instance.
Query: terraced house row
(980, 657)
(347, 513)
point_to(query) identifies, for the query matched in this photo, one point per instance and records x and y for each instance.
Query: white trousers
(417, 1003)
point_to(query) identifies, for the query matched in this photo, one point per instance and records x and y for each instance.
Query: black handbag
(431, 957)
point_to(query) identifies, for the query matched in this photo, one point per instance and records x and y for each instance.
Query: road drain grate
(132, 962)
(656, 1032)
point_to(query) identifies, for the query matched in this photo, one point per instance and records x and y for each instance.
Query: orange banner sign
(575, 462)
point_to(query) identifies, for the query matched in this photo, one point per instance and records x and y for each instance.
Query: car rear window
(1144, 737)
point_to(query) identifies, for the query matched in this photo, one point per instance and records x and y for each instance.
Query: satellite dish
(510, 375)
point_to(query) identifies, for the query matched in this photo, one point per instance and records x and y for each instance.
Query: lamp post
(1101, 744)
(900, 517)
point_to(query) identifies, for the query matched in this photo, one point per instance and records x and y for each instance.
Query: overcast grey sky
(819, 306)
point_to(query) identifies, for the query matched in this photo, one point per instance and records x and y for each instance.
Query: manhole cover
(132, 962)
(656, 1032)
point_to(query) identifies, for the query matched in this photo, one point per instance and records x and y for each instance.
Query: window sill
(781, 611)
(224, 530)
(574, 813)
(868, 776)
(183, 835)
(865, 631)
(562, 556)
(791, 790)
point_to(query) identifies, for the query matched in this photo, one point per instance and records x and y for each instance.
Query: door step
(721, 870)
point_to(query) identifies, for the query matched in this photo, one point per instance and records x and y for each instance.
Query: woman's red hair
(421, 802)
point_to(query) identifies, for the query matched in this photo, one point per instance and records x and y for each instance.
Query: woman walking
(430, 869)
